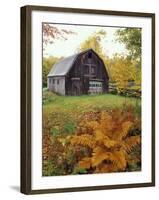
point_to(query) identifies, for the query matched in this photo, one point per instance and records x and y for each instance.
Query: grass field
(84, 103)
(60, 110)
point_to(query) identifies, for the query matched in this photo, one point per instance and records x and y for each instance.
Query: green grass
(64, 112)
(86, 102)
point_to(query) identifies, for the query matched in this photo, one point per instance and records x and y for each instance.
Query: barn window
(89, 55)
(57, 81)
(95, 87)
(53, 81)
(50, 80)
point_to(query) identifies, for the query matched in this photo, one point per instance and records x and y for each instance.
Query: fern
(130, 142)
(84, 140)
(85, 163)
(109, 141)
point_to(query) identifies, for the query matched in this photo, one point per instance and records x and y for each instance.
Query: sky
(64, 48)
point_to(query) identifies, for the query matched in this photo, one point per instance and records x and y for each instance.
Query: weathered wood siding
(57, 84)
(87, 67)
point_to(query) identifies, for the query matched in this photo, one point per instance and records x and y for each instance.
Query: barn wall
(57, 85)
(78, 70)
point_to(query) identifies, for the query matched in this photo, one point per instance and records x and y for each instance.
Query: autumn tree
(50, 33)
(122, 70)
(94, 42)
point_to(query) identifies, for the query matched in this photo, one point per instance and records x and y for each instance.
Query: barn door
(86, 85)
(76, 87)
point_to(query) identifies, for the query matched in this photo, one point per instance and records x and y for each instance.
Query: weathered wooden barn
(82, 73)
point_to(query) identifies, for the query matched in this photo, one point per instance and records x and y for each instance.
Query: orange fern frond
(93, 124)
(109, 143)
(106, 123)
(98, 156)
(85, 163)
(130, 142)
(84, 140)
(125, 127)
(120, 159)
(100, 136)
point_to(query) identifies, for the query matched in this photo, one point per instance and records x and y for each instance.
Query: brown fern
(109, 141)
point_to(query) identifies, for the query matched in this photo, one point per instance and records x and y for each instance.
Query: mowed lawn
(60, 110)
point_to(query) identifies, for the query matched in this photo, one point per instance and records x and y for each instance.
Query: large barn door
(76, 89)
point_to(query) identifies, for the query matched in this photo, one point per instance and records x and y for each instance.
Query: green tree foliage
(47, 65)
(131, 37)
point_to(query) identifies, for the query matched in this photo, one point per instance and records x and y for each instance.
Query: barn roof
(63, 66)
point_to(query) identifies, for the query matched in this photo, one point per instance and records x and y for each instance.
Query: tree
(123, 70)
(50, 33)
(94, 42)
(47, 65)
(131, 37)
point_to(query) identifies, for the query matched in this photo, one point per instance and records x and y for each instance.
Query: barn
(82, 73)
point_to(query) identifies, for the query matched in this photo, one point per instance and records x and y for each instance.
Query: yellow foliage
(99, 135)
(98, 156)
(84, 140)
(125, 129)
(109, 141)
(120, 159)
(121, 70)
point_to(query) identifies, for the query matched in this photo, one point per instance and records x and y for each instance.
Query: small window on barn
(89, 55)
(58, 81)
(53, 81)
(50, 80)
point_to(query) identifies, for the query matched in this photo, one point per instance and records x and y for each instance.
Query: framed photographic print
(87, 99)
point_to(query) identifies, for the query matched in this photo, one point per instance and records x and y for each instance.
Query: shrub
(58, 156)
(103, 141)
